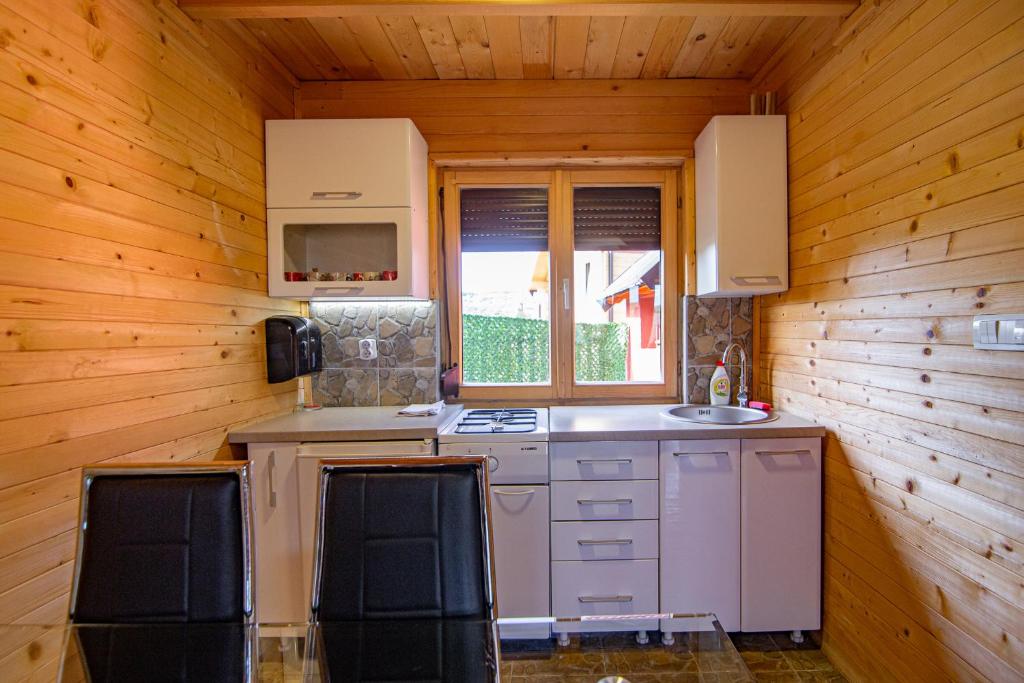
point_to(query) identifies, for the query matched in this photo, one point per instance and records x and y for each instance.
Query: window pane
(618, 278)
(506, 293)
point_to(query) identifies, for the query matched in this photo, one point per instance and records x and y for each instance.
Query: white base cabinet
(781, 535)
(519, 523)
(700, 530)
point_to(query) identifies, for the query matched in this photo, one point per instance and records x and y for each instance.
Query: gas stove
(497, 425)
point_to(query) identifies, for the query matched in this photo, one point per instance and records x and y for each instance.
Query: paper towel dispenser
(293, 348)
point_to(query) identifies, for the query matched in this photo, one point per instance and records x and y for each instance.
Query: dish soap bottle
(721, 388)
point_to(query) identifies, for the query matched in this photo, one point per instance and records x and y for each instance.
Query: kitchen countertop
(646, 422)
(345, 424)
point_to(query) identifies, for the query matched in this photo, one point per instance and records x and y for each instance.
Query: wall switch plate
(1003, 332)
(367, 349)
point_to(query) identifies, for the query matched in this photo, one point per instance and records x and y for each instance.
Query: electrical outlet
(367, 349)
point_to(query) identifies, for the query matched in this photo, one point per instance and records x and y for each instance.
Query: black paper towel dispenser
(293, 348)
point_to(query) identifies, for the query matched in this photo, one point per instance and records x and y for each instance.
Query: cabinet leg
(641, 638)
(563, 639)
(668, 638)
(797, 636)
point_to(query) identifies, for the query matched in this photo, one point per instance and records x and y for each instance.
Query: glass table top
(371, 650)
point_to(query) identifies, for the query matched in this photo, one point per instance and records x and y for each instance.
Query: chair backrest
(164, 543)
(403, 538)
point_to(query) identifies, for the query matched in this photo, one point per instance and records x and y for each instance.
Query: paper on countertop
(422, 409)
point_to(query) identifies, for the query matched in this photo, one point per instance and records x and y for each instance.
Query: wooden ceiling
(482, 39)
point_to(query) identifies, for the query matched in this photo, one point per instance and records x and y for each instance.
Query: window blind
(504, 219)
(617, 218)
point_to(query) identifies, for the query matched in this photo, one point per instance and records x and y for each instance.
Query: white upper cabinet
(345, 163)
(742, 212)
(346, 209)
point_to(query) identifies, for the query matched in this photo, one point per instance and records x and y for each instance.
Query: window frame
(560, 183)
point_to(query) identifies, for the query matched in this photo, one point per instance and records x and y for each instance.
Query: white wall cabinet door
(277, 552)
(700, 530)
(519, 520)
(781, 534)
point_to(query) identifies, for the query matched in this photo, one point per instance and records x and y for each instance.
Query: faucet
(741, 394)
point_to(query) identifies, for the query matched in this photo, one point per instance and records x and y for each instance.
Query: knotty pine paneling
(906, 180)
(543, 119)
(132, 262)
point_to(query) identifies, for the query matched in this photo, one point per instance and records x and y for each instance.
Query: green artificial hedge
(505, 350)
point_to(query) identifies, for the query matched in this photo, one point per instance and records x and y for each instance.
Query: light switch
(999, 332)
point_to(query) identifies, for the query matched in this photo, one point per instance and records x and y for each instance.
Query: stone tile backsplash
(709, 325)
(406, 368)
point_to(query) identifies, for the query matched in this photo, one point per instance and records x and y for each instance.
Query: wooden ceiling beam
(292, 9)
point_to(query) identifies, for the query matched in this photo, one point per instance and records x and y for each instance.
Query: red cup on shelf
(389, 275)
(294, 276)
(357, 277)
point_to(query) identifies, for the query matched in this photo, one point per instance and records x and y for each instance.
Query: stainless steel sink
(720, 415)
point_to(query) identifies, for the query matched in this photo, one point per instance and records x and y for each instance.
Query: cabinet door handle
(605, 598)
(754, 280)
(590, 461)
(608, 541)
(527, 492)
(800, 451)
(327, 196)
(271, 466)
(602, 501)
(683, 455)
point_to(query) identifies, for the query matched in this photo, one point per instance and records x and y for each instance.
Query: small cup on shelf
(294, 276)
(338, 276)
(389, 275)
(356, 277)
(371, 275)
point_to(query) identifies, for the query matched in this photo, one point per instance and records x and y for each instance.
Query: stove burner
(502, 420)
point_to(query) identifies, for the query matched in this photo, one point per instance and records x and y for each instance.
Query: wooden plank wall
(132, 264)
(906, 177)
(519, 120)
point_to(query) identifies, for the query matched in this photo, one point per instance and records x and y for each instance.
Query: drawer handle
(605, 598)
(708, 453)
(608, 541)
(590, 461)
(604, 501)
(801, 451)
(527, 492)
(326, 196)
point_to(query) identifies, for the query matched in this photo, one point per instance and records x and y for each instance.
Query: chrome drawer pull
(589, 461)
(606, 501)
(801, 451)
(609, 541)
(528, 492)
(605, 598)
(335, 195)
(708, 453)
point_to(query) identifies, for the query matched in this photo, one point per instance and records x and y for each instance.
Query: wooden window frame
(560, 183)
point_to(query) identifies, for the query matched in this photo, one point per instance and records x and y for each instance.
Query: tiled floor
(770, 658)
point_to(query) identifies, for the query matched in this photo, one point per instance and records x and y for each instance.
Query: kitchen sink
(720, 415)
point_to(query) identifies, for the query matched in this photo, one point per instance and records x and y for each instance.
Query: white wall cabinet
(781, 534)
(519, 523)
(741, 206)
(700, 530)
(348, 198)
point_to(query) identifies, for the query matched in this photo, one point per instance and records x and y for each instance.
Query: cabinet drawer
(586, 500)
(604, 540)
(603, 460)
(605, 588)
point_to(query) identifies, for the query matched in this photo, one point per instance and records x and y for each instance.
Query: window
(557, 282)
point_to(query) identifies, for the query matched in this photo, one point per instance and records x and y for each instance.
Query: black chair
(164, 572)
(402, 579)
